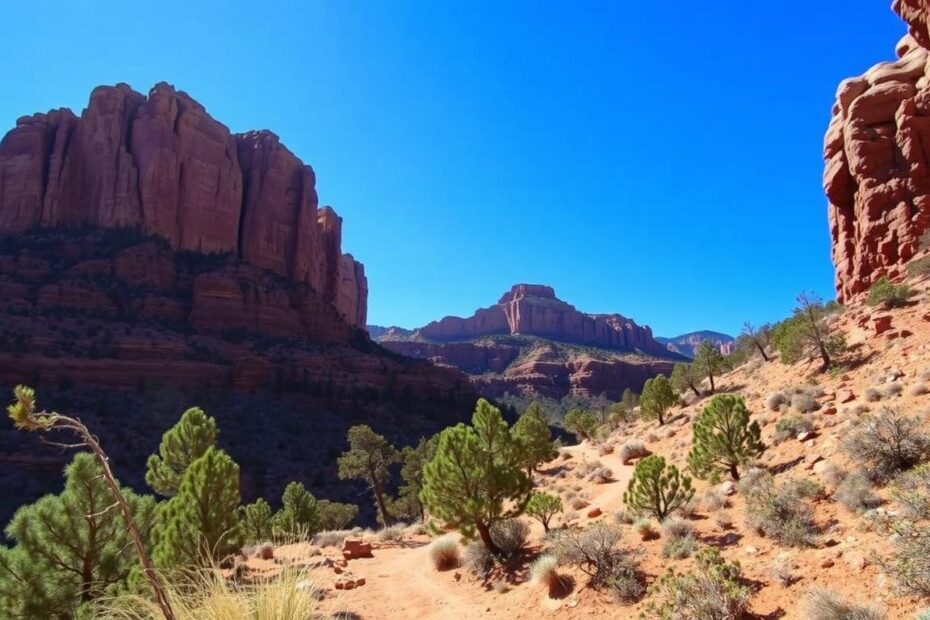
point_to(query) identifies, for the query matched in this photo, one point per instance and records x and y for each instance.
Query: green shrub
(792, 426)
(911, 489)
(582, 424)
(887, 295)
(542, 507)
(712, 591)
(336, 515)
(256, 519)
(780, 513)
(856, 493)
(887, 444)
(679, 548)
(299, 516)
(657, 488)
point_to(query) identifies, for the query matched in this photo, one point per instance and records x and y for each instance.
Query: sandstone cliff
(877, 154)
(161, 164)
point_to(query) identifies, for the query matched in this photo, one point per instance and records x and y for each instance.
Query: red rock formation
(534, 310)
(877, 175)
(163, 165)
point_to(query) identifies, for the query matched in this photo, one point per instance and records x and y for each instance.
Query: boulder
(353, 548)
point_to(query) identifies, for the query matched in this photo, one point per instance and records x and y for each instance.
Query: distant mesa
(687, 344)
(532, 343)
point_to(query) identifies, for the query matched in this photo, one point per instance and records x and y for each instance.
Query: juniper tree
(542, 507)
(257, 521)
(582, 424)
(476, 477)
(724, 438)
(658, 396)
(413, 459)
(709, 362)
(657, 488)
(685, 377)
(180, 446)
(336, 515)
(70, 548)
(369, 458)
(532, 434)
(807, 334)
(300, 512)
(200, 523)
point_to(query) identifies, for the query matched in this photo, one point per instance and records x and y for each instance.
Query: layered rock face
(533, 343)
(534, 310)
(877, 154)
(161, 164)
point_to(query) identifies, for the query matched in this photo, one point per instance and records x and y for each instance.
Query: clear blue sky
(664, 165)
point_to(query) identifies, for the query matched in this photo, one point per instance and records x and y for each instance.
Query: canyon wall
(161, 164)
(877, 162)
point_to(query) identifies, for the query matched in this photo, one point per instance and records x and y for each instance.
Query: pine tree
(542, 507)
(70, 548)
(658, 396)
(532, 434)
(657, 488)
(477, 471)
(335, 515)
(684, 377)
(200, 522)
(709, 362)
(413, 460)
(369, 458)
(180, 446)
(582, 424)
(256, 519)
(300, 512)
(724, 438)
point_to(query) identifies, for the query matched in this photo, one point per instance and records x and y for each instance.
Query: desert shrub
(676, 527)
(855, 492)
(872, 395)
(544, 571)
(887, 443)
(625, 516)
(336, 515)
(593, 550)
(601, 475)
(887, 295)
(626, 582)
(780, 514)
(911, 489)
(782, 571)
(478, 560)
(893, 389)
(714, 500)
(605, 448)
(510, 536)
(579, 503)
(804, 402)
(776, 400)
(833, 474)
(806, 488)
(679, 548)
(542, 507)
(444, 552)
(657, 488)
(919, 267)
(920, 389)
(394, 532)
(792, 426)
(827, 605)
(712, 591)
(330, 538)
(724, 520)
(646, 529)
(632, 449)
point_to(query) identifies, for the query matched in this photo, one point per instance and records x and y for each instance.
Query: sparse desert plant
(330, 538)
(676, 527)
(723, 520)
(631, 450)
(601, 475)
(792, 426)
(626, 582)
(592, 550)
(713, 590)
(804, 402)
(893, 389)
(544, 571)
(679, 548)
(444, 552)
(888, 295)
(713, 500)
(887, 443)
(393, 533)
(856, 493)
(920, 389)
(782, 571)
(646, 529)
(579, 503)
(501, 586)
(805, 488)
(542, 507)
(510, 536)
(827, 605)
(780, 513)
(724, 438)
(909, 563)
(478, 560)
(872, 395)
(625, 516)
(476, 470)
(657, 488)
(833, 474)
(911, 489)
(919, 267)
(776, 400)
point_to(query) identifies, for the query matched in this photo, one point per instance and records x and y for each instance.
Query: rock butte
(877, 171)
(162, 164)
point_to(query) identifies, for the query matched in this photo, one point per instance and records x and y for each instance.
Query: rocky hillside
(530, 342)
(686, 344)
(877, 175)
(151, 261)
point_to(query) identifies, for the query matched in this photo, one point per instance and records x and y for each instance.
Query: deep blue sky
(661, 160)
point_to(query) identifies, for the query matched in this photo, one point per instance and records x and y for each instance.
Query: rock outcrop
(877, 154)
(161, 164)
(533, 343)
(534, 310)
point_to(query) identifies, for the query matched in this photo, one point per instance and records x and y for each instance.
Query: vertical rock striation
(160, 163)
